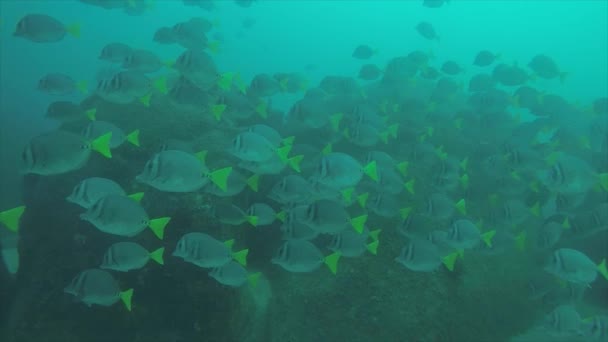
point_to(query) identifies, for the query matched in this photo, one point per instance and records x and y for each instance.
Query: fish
(291, 189)
(510, 75)
(293, 229)
(235, 184)
(426, 30)
(61, 84)
(363, 52)
(421, 255)
(164, 35)
(569, 174)
(292, 82)
(485, 58)
(67, 112)
(340, 170)
(94, 286)
(451, 68)
(464, 234)
(192, 34)
(254, 147)
(58, 152)
(351, 244)
(198, 67)
(123, 216)
(549, 234)
(329, 217)
(96, 129)
(205, 251)
(564, 319)
(128, 256)
(88, 191)
(301, 256)
(574, 266)
(264, 85)
(266, 214)
(41, 28)
(231, 214)
(595, 329)
(178, 171)
(115, 52)
(545, 67)
(125, 87)
(144, 61)
(234, 274)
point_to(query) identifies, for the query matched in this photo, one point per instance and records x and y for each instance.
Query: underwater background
(487, 296)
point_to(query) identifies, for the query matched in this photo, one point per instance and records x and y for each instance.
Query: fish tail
(126, 297)
(362, 199)
(371, 170)
(241, 256)
(220, 177)
(402, 167)
(520, 240)
(281, 216)
(10, 218)
(405, 212)
(158, 226)
(327, 149)
(253, 220)
(604, 180)
(487, 237)
(347, 195)
(409, 186)
(289, 140)
(145, 100)
(262, 109)
(218, 110)
(157, 256)
(73, 29)
(283, 152)
(136, 196)
(294, 162)
(133, 137)
(372, 247)
(102, 145)
(201, 155)
(160, 84)
(358, 223)
(461, 206)
(332, 261)
(602, 269)
(91, 114)
(82, 86)
(450, 260)
(374, 234)
(253, 182)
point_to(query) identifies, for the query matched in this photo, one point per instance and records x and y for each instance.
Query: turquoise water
(372, 298)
